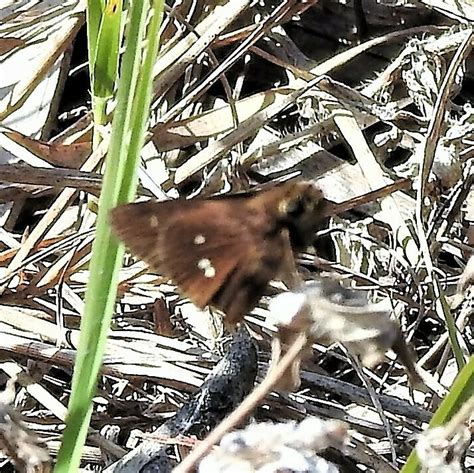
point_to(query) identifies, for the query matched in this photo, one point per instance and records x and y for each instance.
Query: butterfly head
(300, 211)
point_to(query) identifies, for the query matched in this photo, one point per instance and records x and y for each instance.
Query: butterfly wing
(209, 248)
(246, 283)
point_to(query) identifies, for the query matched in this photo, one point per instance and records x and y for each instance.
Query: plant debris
(351, 96)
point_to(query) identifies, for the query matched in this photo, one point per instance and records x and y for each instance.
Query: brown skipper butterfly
(223, 251)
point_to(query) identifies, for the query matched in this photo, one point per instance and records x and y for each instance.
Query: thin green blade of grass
(142, 103)
(451, 326)
(93, 19)
(105, 37)
(461, 390)
(105, 64)
(119, 185)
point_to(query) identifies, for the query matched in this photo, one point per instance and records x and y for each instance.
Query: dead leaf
(69, 156)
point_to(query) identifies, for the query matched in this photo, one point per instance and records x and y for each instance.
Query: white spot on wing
(206, 266)
(153, 221)
(199, 239)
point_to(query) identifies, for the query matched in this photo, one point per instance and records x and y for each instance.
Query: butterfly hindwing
(246, 284)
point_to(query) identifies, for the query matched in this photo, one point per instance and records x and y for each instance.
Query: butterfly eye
(298, 206)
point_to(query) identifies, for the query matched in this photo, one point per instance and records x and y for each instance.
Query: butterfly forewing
(211, 249)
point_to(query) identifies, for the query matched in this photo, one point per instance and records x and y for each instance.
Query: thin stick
(246, 407)
(334, 208)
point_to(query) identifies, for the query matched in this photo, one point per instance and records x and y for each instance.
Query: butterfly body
(222, 251)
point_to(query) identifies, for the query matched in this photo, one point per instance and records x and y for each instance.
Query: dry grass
(242, 101)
